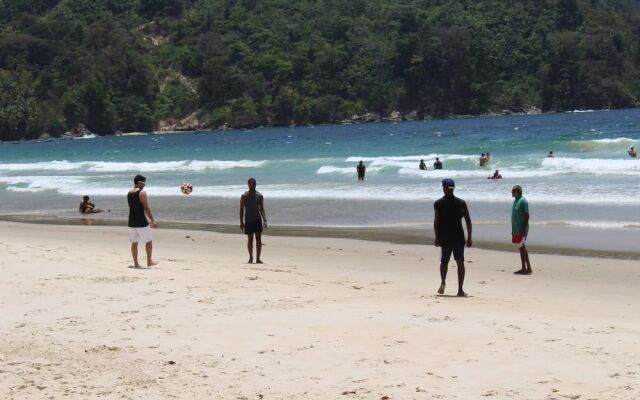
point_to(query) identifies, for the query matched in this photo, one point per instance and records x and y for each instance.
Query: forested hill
(139, 65)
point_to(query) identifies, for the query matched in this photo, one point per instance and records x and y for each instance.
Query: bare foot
(135, 266)
(258, 261)
(521, 272)
(152, 263)
(441, 289)
(462, 294)
(250, 261)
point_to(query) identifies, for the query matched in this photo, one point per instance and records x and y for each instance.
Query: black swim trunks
(252, 227)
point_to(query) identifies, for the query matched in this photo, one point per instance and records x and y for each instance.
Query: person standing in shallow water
(449, 211)
(253, 218)
(437, 164)
(361, 169)
(139, 226)
(520, 228)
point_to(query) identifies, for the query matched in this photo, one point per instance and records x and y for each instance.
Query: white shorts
(140, 234)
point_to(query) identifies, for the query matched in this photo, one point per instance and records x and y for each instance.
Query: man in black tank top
(253, 218)
(139, 226)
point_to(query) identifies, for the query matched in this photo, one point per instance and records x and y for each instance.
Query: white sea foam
(330, 169)
(615, 140)
(45, 165)
(506, 173)
(596, 166)
(426, 157)
(595, 224)
(77, 186)
(108, 166)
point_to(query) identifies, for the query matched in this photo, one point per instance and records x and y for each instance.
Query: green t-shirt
(518, 210)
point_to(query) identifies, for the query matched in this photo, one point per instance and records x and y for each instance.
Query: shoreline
(390, 234)
(367, 118)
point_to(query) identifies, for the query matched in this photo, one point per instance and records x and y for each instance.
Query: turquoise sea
(307, 174)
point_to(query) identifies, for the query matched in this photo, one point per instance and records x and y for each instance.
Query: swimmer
(483, 160)
(422, 165)
(437, 164)
(361, 169)
(87, 207)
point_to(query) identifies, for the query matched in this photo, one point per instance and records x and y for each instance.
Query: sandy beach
(321, 319)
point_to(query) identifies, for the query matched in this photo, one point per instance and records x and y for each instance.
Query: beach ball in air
(186, 188)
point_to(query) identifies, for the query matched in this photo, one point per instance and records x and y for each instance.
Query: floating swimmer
(496, 175)
(632, 152)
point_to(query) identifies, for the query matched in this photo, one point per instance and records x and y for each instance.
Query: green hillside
(139, 65)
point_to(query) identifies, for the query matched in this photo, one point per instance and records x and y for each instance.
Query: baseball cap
(448, 183)
(139, 178)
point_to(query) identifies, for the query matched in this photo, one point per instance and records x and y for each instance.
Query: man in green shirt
(520, 228)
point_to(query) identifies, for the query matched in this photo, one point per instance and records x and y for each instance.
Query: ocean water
(308, 177)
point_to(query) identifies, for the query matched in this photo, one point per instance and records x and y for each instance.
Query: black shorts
(253, 227)
(456, 249)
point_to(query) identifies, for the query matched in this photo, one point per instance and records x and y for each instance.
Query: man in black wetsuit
(361, 170)
(253, 218)
(139, 226)
(449, 211)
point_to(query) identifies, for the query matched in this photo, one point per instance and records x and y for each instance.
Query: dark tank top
(251, 206)
(137, 219)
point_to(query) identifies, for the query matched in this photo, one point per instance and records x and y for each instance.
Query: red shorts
(518, 240)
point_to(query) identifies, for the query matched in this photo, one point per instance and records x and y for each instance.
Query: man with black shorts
(449, 211)
(253, 218)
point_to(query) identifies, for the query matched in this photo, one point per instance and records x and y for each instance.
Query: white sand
(322, 319)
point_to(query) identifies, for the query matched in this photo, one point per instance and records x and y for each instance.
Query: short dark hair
(85, 197)
(251, 179)
(139, 178)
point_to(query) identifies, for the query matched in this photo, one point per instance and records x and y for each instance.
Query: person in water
(87, 207)
(520, 228)
(632, 152)
(422, 165)
(550, 155)
(449, 211)
(361, 169)
(253, 218)
(139, 225)
(437, 164)
(483, 160)
(496, 175)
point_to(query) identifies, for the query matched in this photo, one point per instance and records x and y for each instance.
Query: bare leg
(134, 253)
(524, 258)
(258, 247)
(149, 248)
(250, 247)
(461, 272)
(444, 268)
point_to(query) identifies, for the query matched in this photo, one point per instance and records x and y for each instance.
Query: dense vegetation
(130, 64)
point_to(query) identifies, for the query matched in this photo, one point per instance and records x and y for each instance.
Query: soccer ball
(186, 188)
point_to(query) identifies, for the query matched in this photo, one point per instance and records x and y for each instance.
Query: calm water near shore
(585, 197)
